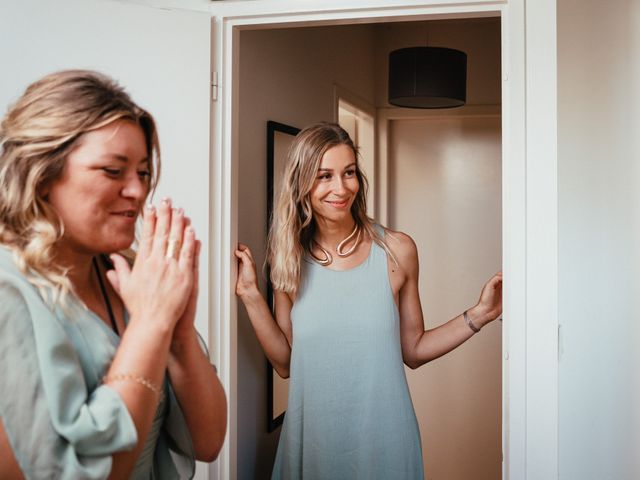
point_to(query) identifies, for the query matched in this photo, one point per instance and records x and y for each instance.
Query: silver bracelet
(470, 323)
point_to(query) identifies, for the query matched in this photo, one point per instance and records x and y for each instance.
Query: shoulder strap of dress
(376, 250)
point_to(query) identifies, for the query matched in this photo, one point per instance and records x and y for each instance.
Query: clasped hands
(162, 284)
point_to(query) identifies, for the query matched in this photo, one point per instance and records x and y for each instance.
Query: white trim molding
(541, 241)
(514, 225)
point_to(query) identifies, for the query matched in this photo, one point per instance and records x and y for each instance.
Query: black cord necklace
(105, 297)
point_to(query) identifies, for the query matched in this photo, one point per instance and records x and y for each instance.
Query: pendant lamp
(427, 77)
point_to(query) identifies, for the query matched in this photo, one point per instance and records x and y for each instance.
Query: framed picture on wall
(279, 139)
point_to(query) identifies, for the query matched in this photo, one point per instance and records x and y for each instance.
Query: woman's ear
(43, 191)
(49, 177)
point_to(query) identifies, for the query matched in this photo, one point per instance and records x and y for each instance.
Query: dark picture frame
(279, 138)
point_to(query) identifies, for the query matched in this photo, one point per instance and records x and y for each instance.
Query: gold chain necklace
(328, 258)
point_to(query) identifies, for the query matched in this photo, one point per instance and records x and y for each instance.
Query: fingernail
(149, 208)
(166, 201)
(180, 211)
(191, 230)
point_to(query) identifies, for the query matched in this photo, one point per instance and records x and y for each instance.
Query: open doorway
(289, 75)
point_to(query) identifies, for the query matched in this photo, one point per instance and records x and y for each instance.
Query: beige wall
(286, 76)
(445, 192)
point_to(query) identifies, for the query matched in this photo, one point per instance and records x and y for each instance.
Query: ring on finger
(173, 248)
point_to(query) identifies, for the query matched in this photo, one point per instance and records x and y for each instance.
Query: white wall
(599, 238)
(288, 76)
(162, 57)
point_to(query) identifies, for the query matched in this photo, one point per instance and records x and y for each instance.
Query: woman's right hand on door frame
(247, 284)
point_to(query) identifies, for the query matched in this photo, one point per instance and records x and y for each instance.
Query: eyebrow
(124, 158)
(331, 169)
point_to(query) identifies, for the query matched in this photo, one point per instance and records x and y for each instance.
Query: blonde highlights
(36, 135)
(293, 226)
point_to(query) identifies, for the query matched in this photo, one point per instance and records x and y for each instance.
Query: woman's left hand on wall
(489, 306)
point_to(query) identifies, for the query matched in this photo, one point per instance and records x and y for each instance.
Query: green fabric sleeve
(57, 428)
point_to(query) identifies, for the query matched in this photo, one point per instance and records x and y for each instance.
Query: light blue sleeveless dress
(349, 414)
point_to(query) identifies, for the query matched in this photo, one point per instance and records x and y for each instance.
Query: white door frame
(529, 119)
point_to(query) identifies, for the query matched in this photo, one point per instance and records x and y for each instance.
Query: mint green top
(60, 420)
(349, 412)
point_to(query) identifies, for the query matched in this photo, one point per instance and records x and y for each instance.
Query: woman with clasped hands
(347, 316)
(103, 374)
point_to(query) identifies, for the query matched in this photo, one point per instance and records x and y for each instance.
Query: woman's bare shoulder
(400, 243)
(403, 249)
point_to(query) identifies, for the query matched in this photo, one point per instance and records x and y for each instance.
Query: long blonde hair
(36, 136)
(293, 226)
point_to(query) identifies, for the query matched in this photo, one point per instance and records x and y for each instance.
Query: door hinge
(214, 86)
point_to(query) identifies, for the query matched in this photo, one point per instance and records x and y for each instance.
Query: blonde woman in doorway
(102, 371)
(347, 316)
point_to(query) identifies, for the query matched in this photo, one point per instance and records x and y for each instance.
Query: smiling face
(102, 189)
(336, 185)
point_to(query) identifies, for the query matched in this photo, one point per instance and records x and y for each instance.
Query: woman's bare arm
(420, 346)
(195, 381)
(275, 337)
(9, 467)
(155, 292)
(201, 395)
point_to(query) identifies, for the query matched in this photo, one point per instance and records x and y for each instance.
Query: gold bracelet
(145, 382)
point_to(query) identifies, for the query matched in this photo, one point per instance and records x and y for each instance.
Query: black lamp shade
(427, 77)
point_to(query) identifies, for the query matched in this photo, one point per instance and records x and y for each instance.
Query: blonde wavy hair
(293, 226)
(36, 135)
